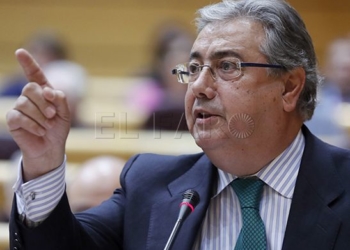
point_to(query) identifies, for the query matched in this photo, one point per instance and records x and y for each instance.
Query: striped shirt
(37, 198)
(223, 220)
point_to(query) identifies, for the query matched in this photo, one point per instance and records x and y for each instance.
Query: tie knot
(249, 192)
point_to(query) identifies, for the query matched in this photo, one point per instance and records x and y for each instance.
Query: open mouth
(203, 115)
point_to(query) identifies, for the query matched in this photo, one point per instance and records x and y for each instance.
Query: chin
(209, 139)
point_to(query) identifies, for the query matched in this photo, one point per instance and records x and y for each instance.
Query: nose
(205, 85)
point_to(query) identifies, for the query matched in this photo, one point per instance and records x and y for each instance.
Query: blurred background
(109, 37)
(112, 37)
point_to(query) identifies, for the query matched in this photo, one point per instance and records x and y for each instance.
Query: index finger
(31, 68)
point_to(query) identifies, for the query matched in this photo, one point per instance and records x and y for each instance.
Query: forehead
(240, 37)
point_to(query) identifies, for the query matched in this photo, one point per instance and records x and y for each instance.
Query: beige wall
(109, 37)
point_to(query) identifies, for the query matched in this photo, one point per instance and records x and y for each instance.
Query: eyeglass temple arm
(177, 71)
(262, 65)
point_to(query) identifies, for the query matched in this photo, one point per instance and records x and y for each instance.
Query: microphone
(190, 199)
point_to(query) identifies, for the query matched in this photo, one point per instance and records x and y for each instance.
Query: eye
(227, 66)
(193, 68)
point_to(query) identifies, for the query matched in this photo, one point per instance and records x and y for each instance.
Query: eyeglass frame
(240, 65)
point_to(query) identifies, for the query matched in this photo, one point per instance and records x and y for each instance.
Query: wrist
(34, 168)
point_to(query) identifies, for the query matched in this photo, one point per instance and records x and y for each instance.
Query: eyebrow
(217, 55)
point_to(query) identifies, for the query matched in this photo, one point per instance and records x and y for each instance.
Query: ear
(294, 84)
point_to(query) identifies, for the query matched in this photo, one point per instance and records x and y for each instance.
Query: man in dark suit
(252, 81)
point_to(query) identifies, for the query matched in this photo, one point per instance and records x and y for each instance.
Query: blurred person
(263, 180)
(334, 92)
(160, 97)
(94, 182)
(50, 51)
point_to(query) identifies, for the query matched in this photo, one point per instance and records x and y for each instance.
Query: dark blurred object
(167, 119)
(7, 146)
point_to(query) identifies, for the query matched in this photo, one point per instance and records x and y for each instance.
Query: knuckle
(29, 87)
(12, 118)
(21, 102)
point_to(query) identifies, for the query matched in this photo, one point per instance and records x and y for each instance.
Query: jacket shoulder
(154, 167)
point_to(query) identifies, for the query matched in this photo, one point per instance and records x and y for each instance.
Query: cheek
(241, 125)
(189, 101)
(267, 110)
(251, 110)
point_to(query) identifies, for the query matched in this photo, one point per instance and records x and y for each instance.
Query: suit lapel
(312, 224)
(164, 213)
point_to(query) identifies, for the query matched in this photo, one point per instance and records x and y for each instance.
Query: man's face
(245, 111)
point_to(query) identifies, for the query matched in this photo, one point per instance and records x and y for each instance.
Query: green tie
(252, 235)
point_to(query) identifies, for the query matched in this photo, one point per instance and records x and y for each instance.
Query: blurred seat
(107, 97)
(83, 144)
(4, 236)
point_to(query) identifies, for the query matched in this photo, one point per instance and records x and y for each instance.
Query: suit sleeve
(100, 227)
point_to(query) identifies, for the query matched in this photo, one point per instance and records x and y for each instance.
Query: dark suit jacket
(142, 214)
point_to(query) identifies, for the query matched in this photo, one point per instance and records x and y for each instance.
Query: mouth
(200, 114)
(203, 115)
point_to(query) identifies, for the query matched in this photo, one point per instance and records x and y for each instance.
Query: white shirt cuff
(38, 197)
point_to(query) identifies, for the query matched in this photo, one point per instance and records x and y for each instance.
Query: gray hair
(287, 41)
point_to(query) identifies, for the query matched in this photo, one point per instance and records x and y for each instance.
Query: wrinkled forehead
(238, 35)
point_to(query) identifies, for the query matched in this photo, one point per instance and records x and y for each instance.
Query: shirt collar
(280, 174)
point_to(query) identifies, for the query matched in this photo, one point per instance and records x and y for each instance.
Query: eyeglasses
(226, 69)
